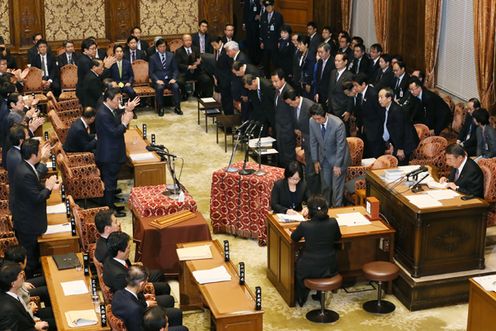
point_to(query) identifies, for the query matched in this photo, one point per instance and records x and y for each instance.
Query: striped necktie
(162, 59)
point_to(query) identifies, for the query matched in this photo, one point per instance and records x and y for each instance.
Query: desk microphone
(153, 139)
(417, 171)
(159, 151)
(415, 187)
(250, 132)
(73, 227)
(243, 125)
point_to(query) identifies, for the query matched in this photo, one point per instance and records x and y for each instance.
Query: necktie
(457, 174)
(259, 93)
(358, 66)
(119, 65)
(337, 76)
(202, 44)
(298, 110)
(133, 56)
(162, 57)
(385, 135)
(323, 130)
(43, 65)
(69, 56)
(188, 51)
(216, 55)
(397, 83)
(323, 67)
(359, 99)
(277, 95)
(269, 17)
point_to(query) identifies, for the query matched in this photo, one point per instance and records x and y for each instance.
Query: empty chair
(324, 285)
(380, 271)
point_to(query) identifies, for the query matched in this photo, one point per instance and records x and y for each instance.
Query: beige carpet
(185, 138)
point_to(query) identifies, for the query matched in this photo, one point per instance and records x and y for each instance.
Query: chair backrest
(422, 131)
(458, 117)
(115, 322)
(110, 49)
(385, 162)
(356, 150)
(58, 125)
(68, 77)
(60, 51)
(140, 71)
(488, 167)
(32, 82)
(432, 147)
(6, 243)
(174, 44)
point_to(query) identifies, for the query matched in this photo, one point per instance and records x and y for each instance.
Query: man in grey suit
(329, 152)
(338, 102)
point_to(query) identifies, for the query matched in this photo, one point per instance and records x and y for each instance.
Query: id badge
(272, 27)
(255, 9)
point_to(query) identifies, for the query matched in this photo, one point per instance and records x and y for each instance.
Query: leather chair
(356, 146)
(68, 82)
(115, 322)
(451, 133)
(107, 294)
(488, 167)
(62, 105)
(141, 84)
(431, 151)
(6, 243)
(33, 84)
(74, 159)
(61, 128)
(174, 44)
(380, 271)
(323, 285)
(422, 131)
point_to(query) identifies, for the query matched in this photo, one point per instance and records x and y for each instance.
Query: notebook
(66, 261)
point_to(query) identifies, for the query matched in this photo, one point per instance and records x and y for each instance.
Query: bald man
(189, 63)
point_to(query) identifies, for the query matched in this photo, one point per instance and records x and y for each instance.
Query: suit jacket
(281, 200)
(114, 274)
(140, 54)
(362, 66)
(53, 70)
(157, 72)
(302, 121)
(127, 72)
(78, 139)
(129, 308)
(322, 79)
(304, 74)
(402, 89)
(467, 129)
(349, 52)
(13, 315)
(91, 90)
(62, 59)
(471, 179)
(486, 144)
(32, 52)
(250, 11)
(284, 119)
(183, 60)
(263, 107)
(402, 133)
(29, 206)
(338, 102)
(370, 116)
(333, 147)
(110, 146)
(101, 53)
(223, 71)
(270, 31)
(436, 111)
(196, 42)
(384, 79)
(315, 41)
(143, 45)
(374, 71)
(83, 68)
(284, 59)
(101, 249)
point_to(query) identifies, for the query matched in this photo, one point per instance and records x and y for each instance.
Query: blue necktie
(163, 60)
(323, 130)
(385, 135)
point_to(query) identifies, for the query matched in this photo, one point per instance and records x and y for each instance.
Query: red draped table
(239, 204)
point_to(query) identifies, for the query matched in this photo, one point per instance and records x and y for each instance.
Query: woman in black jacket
(289, 193)
(285, 52)
(318, 257)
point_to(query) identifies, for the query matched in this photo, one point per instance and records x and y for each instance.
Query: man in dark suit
(324, 67)
(100, 52)
(237, 90)
(384, 77)
(201, 39)
(189, 63)
(467, 137)
(466, 177)
(338, 102)
(486, 134)
(240, 69)
(129, 303)
(374, 56)
(33, 51)
(48, 65)
(69, 56)
(399, 134)
(163, 72)
(284, 123)
(13, 313)
(79, 137)
(361, 62)
(92, 85)
(251, 23)
(122, 72)
(228, 33)
(400, 82)
(110, 147)
(261, 96)
(29, 205)
(344, 47)
(315, 38)
(223, 75)
(436, 112)
(105, 223)
(270, 29)
(132, 53)
(141, 45)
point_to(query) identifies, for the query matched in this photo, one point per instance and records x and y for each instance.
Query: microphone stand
(416, 187)
(235, 147)
(260, 172)
(245, 171)
(175, 192)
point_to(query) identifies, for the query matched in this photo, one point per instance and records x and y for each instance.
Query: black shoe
(301, 302)
(119, 199)
(178, 111)
(161, 112)
(119, 208)
(119, 213)
(118, 191)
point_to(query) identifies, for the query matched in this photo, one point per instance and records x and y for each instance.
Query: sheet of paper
(75, 287)
(367, 162)
(142, 156)
(77, 318)
(214, 275)
(285, 218)
(58, 228)
(442, 194)
(488, 283)
(433, 184)
(408, 168)
(267, 151)
(194, 253)
(208, 100)
(56, 209)
(423, 201)
(351, 219)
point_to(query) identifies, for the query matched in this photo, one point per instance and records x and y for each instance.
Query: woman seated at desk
(318, 257)
(289, 193)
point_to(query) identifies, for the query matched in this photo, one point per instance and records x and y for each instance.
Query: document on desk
(78, 318)
(58, 228)
(148, 156)
(194, 253)
(352, 219)
(208, 100)
(75, 287)
(286, 218)
(56, 209)
(442, 194)
(488, 283)
(264, 142)
(423, 201)
(214, 275)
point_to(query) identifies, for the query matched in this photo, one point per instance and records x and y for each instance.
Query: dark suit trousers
(30, 243)
(204, 86)
(109, 172)
(159, 93)
(129, 91)
(268, 60)
(226, 99)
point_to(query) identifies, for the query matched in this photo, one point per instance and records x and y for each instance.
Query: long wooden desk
(57, 243)
(358, 245)
(62, 303)
(434, 240)
(232, 305)
(147, 172)
(481, 308)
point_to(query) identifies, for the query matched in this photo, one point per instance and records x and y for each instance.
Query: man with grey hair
(323, 74)
(237, 91)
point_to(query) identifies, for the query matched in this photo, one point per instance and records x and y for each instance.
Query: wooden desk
(148, 172)
(435, 240)
(62, 303)
(232, 305)
(57, 243)
(481, 308)
(358, 245)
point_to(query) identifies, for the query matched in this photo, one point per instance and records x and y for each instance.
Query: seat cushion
(380, 271)
(324, 284)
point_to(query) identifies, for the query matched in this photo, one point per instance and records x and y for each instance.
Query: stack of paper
(264, 142)
(77, 318)
(351, 219)
(423, 201)
(58, 228)
(194, 253)
(488, 283)
(391, 175)
(75, 287)
(56, 209)
(142, 156)
(208, 100)
(368, 162)
(285, 218)
(214, 275)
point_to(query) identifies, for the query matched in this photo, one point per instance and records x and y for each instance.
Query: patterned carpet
(185, 138)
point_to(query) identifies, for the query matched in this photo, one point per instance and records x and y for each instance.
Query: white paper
(433, 184)
(77, 318)
(142, 156)
(213, 275)
(267, 151)
(75, 287)
(423, 201)
(442, 194)
(409, 168)
(351, 219)
(208, 100)
(194, 253)
(58, 228)
(368, 162)
(286, 218)
(488, 283)
(264, 142)
(59, 208)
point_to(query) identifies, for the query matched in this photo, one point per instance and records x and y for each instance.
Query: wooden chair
(174, 44)
(33, 84)
(226, 123)
(68, 82)
(115, 322)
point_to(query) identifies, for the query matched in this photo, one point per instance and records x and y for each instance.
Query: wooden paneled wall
(296, 13)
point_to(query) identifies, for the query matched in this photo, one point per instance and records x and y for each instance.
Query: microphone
(417, 171)
(159, 151)
(158, 146)
(243, 125)
(250, 132)
(415, 187)
(260, 132)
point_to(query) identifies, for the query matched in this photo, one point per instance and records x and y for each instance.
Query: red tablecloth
(239, 204)
(149, 201)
